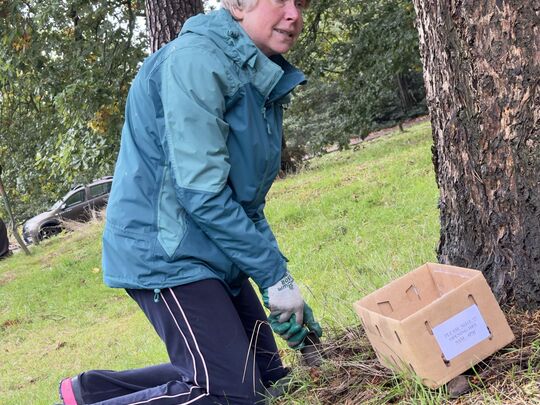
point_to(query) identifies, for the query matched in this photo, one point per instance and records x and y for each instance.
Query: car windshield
(57, 205)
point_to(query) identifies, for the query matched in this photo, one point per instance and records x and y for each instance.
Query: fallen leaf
(315, 374)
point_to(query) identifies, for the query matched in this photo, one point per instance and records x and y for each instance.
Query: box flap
(448, 278)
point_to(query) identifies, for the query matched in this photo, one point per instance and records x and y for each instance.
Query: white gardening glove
(284, 299)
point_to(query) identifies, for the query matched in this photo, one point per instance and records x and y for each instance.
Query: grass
(355, 220)
(57, 318)
(351, 373)
(349, 222)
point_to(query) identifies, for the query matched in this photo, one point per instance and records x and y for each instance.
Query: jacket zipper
(266, 152)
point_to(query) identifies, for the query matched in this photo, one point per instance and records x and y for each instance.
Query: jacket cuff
(271, 278)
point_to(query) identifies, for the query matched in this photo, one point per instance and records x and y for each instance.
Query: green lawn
(349, 223)
(355, 220)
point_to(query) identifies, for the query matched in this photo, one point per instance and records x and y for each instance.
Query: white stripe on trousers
(190, 352)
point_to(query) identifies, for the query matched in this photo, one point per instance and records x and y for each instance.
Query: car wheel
(48, 231)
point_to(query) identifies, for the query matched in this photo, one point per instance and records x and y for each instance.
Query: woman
(185, 223)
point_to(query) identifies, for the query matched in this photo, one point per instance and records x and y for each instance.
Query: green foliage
(365, 71)
(65, 68)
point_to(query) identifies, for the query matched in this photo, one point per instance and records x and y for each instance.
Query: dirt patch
(382, 132)
(7, 277)
(10, 323)
(386, 131)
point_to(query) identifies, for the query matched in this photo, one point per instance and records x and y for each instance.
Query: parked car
(76, 205)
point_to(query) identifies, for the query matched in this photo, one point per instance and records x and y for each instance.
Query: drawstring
(156, 294)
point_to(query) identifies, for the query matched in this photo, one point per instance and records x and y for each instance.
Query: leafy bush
(65, 69)
(365, 69)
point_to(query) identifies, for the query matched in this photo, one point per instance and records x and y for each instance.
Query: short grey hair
(232, 5)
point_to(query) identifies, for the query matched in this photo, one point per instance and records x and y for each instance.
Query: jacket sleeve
(263, 227)
(194, 89)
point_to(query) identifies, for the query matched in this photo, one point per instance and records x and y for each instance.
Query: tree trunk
(14, 230)
(482, 74)
(164, 19)
(405, 98)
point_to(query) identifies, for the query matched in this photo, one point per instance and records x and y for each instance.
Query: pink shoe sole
(66, 392)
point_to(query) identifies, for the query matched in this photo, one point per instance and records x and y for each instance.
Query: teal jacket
(200, 149)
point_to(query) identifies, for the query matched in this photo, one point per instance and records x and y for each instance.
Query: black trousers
(221, 351)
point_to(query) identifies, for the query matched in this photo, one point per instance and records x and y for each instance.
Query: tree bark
(14, 230)
(482, 73)
(164, 19)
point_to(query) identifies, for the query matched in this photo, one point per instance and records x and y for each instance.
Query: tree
(364, 71)
(164, 19)
(65, 68)
(481, 70)
(14, 229)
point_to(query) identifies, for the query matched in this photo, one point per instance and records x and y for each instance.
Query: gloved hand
(288, 326)
(310, 322)
(290, 331)
(284, 299)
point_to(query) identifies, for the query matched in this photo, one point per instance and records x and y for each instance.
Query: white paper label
(461, 332)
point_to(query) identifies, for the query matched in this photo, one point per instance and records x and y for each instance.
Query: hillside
(349, 222)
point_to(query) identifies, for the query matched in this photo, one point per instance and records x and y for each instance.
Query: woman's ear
(237, 14)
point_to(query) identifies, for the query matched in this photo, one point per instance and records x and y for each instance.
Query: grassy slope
(357, 219)
(349, 223)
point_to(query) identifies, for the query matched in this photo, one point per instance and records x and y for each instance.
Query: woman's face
(273, 25)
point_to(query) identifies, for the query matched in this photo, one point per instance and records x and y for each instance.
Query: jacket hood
(225, 32)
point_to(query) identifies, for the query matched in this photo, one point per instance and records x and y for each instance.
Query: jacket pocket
(171, 217)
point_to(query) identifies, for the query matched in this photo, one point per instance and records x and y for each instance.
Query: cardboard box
(436, 322)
